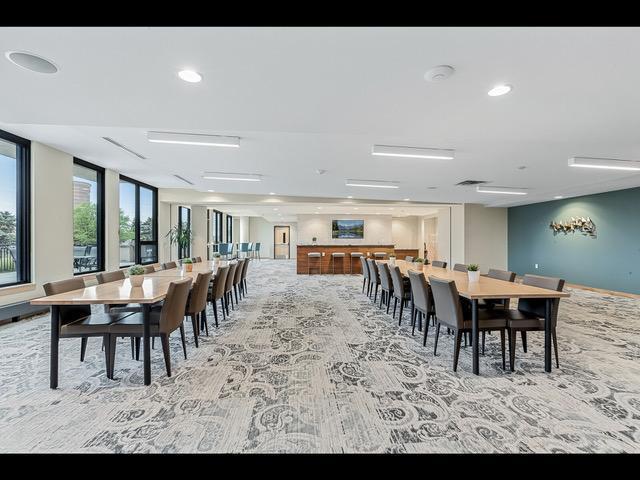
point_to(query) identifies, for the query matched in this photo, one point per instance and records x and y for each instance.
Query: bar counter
(340, 267)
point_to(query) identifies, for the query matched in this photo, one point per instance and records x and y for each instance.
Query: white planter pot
(418, 265)
(474, 276)
(136, 280)
(392, 260)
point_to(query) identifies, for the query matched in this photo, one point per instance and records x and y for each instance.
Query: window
(214, 232)
(138, 223)
(15, 203)
(229, 229)
(88, 217)
(184, 225)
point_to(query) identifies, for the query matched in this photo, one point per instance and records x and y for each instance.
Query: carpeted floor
(309, 364)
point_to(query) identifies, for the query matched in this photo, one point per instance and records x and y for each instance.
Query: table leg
(55, 332)
(146, 314)
(547, 335)
(474, 336)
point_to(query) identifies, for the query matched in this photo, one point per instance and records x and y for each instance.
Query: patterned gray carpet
(308, 364)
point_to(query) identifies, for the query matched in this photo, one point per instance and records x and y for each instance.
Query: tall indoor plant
(179, 236)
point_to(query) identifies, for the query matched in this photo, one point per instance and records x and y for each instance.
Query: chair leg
(523, 334)
(107, 361)
(153, 342)
(244, 289)
(194, 323)
(381, 298)
(137, 341)
(414, 313)
(504, 365)
(395, 304)
(375, 295)
(184, 343)
(426, 331)
(512, 348)
(203, 319)
(133, 347)
(401, 307)
(364, 280)
(222, 302)
(112, 355)
(555, 346)
(388, 302)
(483, 335)
(456, 351)
(420, 315)
(235, 290)
(83, 348)
(164, 339)
(435, 343)
(215, 313)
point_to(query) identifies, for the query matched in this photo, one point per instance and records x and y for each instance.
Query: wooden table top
(484, 288)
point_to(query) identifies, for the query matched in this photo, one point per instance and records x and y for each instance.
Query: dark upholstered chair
(197, 304)
(401, 291)
(217, 291)
(460, 267)
(149, 269)
(165, 319)
(365, 274)
(529, 317)
(169, 265)
(386, 285)
(228, 288)
(422, 302)
(439, 264)
(77, 321)
(374, 277)
(449, 313)
(237, 278)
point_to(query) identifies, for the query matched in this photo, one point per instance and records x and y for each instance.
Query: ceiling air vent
(184, 179)
(126, 149)
(470, 182)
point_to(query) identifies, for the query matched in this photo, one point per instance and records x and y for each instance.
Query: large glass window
(184, 225)
(138, 223)
(229, 229)
(214, 232)
(88, 217)
(15, 182)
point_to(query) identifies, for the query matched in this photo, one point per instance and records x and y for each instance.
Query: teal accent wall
(611, 260)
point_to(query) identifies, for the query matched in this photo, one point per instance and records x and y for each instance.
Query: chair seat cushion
(487, 319)
(524, 320)
(133, 324)
(96, 324)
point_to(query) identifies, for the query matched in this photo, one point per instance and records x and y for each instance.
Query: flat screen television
(347, 229)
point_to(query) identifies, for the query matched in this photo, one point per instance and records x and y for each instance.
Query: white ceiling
(309, 98)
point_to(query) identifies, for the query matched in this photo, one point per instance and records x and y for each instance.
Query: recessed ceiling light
(211, 191)
(604, 163)
(317, 213)
(407, 199)
(350, 196)
(390, 208)
(501, 190)
(412, 152)
(319, 208)
(499, 90)
(32, 62)
(558, 197)
(371, 184)
(190, 76)
(355, 208)
(272, 193)
(275, 209)
(193, 139)
(243, 177)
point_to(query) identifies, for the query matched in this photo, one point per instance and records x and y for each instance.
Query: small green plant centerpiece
(392, 259)
(216, 257)
(136, 275)
(419, 262)
(314, 240)
(473, 270)
(188, 264)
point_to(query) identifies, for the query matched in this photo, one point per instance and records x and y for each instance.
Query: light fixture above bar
(604, 163)
(193, 139)
(242, 177)
(412, 152)
(501, 190)
(371, 183)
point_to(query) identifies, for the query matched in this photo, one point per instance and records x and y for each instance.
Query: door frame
(288, 227)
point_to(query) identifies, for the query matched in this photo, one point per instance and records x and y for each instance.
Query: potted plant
(474, 272)
(188, 264)
(179, 236)
(216, 258)
(136, 275)
(392, 259)
(314, 240)
(418, 262)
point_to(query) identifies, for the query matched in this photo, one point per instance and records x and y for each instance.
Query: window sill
(14, 289)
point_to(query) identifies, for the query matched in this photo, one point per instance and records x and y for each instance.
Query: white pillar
(199, 231)
(244, 229)
(112, 220)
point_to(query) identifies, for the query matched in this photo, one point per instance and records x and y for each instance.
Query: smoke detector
(439, 73)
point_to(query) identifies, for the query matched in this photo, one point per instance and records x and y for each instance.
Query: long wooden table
(490, 288)
(153, 290)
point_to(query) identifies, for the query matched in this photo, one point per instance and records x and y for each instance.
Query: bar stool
(380, 254)
(354, 255)
(335, 255)
(311, 255)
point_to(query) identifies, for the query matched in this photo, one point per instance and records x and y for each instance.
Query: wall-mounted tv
(347, 229)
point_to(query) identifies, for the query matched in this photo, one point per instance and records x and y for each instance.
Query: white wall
(199, 231)
(485, 236)
(377, 229)
(164, 224)
(457, 235)
(406, 232)
(260, 230)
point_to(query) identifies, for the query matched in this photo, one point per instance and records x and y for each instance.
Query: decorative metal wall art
(580, 224)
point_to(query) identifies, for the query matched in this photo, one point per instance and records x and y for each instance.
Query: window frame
(182, 253)
(229, 229)
(139, 243)
(23, 208)
(100, 196)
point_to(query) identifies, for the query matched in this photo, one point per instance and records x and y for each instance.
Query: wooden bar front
(325, 261)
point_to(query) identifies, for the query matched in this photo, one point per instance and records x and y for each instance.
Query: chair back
(501, 275)
(219, 282)
(198, 297)
(385, 276)
(439, 264)
(243, 247)
(460, 267)
(408, 258)
(68, 313)
(245, 265)
(257, 248)
(149, 269)
(198, 259)
(365, 267)
(398, 283)
(238, 273)
(447, 302)
(169, 265)
(536, 306)
(420, 291)
(106, 277)
(174, 306)
(374, 275)
(230, 277)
